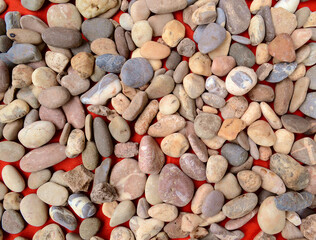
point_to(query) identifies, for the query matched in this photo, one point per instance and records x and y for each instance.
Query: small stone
(121, 233)
(91, 10)
(145, 229)
(300, 37)
(23, 53)
(103, 192)
(166, 7)
(311, 59)
(102, 137)
(202, 127)
(200, 64)
(223, 49)
(62, 37)
(108, 208)
(242, 54)
(13, 179)
(284, 166)
(270, 219)
(223, 65)
(310, 21)
(222, 233)
(37, 179)
(302, 15)
(64, 217)
(81, 205)
(136, 106)
(262, 54)
(233, 190)
(164, 212)
(217, 86)
(122, 213)
(234, 154)
(142, 208)
(308, 105)
(190, 222)
(102, 172)
(307, 226)
(160, 86)
(261, 93)
(261, 133)
(97, 28)
(33, 210)
(192, 166)
(173, 33)
(293, 201)
(283, 21)
(154, 50)
(12, 20)
(78, 179)
(230, 128)
(151, 189)
(89, 227)
(174, 145)
(289, 6)
(216, 168)
(212, 31)
(250, 181)
(141, 33)
(256, 30)
(213, 203)
(205, 14)
(186, 47)
(283, 48)
(294, 123)
(11, 151)
(304, 150)
(12, 222)
(234, 224)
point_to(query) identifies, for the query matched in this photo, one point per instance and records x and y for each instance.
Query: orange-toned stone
(154, 50)
(230, 128)
(222, 65)
(282, 48)
(301, 36)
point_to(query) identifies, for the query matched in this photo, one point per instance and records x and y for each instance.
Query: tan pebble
(24, 36)
(83, 64)
(261, 133)
(13, 179)
(249, 180)
(65, 134)
(216, 168)
(265, 153)
(21, 76)
(194, 85)
(169, 104)
(108, 208)
(252, 113)
(164, 212)
(228, 186)
(173, 33)
(154, 50)
(157, 22)
(12, 200)
(294, 218)
(270, 115)
(299, 93)
(151, 190)
(200, 64)
(284, 141)
(311, 21)
(11, 130)
(190, 222)
(102, 46)
(120, 102)
(141, 33)
(257, 4)
(262, 54)
(174, 145)
(302, 53)
(43, 78)
(209, 109)
(56, 61)
(230, 128)
(283, 21)
(298, 73)
(215, 142)
(53, 194)
(36, 179)
(75, 143)
(256, 30)
(15, 110)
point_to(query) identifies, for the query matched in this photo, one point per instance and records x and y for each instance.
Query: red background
(250, 229)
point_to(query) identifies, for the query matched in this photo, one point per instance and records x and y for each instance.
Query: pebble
(239, 222)
(141, 33)
(104, 90)
(81, 205)
(151, 189)
(58, 177)
(222, 233)
(222, 65)
(240, 206)
(234, 154)
(212, 31)
(53, 194)
(96, 28)
(233, 190)
(193, 167)
(12, 20)
(33, 23)
(160, 86)
(308, 105)
(3, 190)
(131, 172)
(231, 128)
(145, 228)
(261, 93)
(11, 151)
(199, 197)
(171, 177)
(294, 123)
(43, 78)
(102, 46)
(216, 168)
(51, 230)
(200, 64)
(293, 201)
(91, 10)
(142, 208)
(290, 6)
(154, 50)
(163, 212)
(83, 64)
(300, 37)
(65, 16)
(302, 15)
(119, 129)
(202, 125)
(237, 20)
(261, 133)
(283, 21)
(217, 86)
(307, 226)
(169, 104)
(78, 179)
(33, 210)
(291, 231)
(62, 37)
(90, 156)
(121, 233)
(24, 36)
(194, 85)
(186, 47)
(89, 227)
(284, 166)
(23, 53)
(37, 134)
(5, 77)
(173, 60)
(136, 106)
(213, 203)
(3, 6)
(190, 222)
(56, 116)
(310, 74)
(270, 115)
(12, 201)
(13, 179)
(256, 30)
(36, 179)
(173, 32)
(310, 21)
(311, 59)
(160, 7)
(54, 97)
(136, 72)
(223, 49)
(43, 157)
(304, 150)
(12, 222)
(270, 219)
(283, 48)
(174, 145)
(242, 55)
(262, 55)
(240, 81)
(64, 217)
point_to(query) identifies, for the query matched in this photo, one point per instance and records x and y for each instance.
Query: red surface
(250, 229)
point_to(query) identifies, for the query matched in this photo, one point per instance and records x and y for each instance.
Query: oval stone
(53, 194)
(234, 154)
(110, 63)
(81, 205)
(294, 201)
(213, 203)
(174, 145)
(63, 217)
(102, 137)
(23, 53)
(193, 167)
(34, 210)
(13, 179)
(174, 186)
(304, 150)
(206, 125)
(240, 206)
(13, 111)
(261, 133)
(136, 72)
(43, 157)
(12, 222)
(166, 126)
(54, 97)
(36, 134)
(11, 151)
(212, 31)
(62, 37)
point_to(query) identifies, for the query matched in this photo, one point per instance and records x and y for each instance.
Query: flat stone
(294, 123)
(23, 53)
(62, 37)
(160, 7)
(283, 21)
(96, 28)
(64, 217)
(261, 93)
(215, 32)
(281, 71)
(304, 150)
(283, 48)
(308, 105)
(12, 222)
(293, 201)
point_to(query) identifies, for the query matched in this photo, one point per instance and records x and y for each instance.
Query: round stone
(250, 181)
(174, 145)
(11, 151)
(206, 125)
(97, 28)
(173, 32)
(89, 227)
(242, 54)
(234, 154)
(12, 222)
(212, 31)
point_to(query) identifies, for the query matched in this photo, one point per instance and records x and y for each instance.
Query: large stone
(215, 32)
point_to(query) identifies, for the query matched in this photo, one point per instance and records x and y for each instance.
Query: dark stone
(265, 12)
(281, 71)
(110, 63)
(234, 154)
(120, 42)
(103, 192)
(294, 123)
(293, 201)
(96, 28)
(62, 37)
(242, 54)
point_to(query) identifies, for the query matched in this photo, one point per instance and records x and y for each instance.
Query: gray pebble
(136, 72)
(281, 71)
(311, 74)
(212, 31)
(5, 43)
(173, 60)
(198, 33)
(12, 20)
(213, 203)
(62, 37)
(110, 63)
(293, 201)
(181, 71)
(12, 222)
(213, 100)
(85, 47)
(241, 39)
(120, 42)
(63, 217)
(265, 12)
(102, 172)
(221, 17)
(234, 154)
(96, 28)
(186, 47)
(23, 53)
(309, 105)
(243, 55)
(102, 137)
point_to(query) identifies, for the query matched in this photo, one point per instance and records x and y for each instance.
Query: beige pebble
(53, 194)
(164, 212)
(56, 61)
(120, 102)
(283, 21)
(155, 63)
(294, 218)
(36, 179)
(311, 21)
(252, 113)
(190, 222)
(102, 46)
(216, 168)
(262, 54)
(146, 117)
(261, 133)
(13, 179)
(154, 50)
(256, 30)
(21, 76)
(108, 208)
(215, 219)
(83, 64)
(174, 145)
(199, 197)
(157, 22)
(194, 85)
(228, 186)
(257, 4)
(298, 73)
(270, 115)
(250, 181)
(200, 64)
(284, 141)
(75, 143)
(215, 142)
(173, 32)
(141, 33)
(299, 94)
(169, 104)
(65, 134)
(13, 111)
(44, 77)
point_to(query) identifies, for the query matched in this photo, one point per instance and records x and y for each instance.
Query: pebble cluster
(217, 128)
